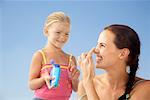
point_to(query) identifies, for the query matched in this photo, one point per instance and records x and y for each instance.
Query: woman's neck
(116, 79)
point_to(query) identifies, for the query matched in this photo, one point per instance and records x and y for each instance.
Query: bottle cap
(52, 61)
(57, 65)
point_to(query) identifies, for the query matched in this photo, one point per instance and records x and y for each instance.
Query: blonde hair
(56, 17)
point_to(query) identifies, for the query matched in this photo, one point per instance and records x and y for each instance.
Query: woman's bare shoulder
(141, 84)
(141, 90)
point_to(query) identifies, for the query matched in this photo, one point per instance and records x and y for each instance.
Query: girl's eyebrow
(58, 31)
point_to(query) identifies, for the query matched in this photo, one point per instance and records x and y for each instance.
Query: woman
(118, 48)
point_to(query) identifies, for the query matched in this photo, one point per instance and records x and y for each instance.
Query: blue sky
(21, 27)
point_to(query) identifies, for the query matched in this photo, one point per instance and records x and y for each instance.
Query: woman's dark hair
(126, 37)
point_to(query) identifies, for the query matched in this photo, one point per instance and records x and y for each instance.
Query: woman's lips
(98, 59)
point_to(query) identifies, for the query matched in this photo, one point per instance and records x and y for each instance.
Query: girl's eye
(58, 32)
(66, 34)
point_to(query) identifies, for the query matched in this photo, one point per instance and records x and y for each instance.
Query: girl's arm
(35, 81)
(75, 81)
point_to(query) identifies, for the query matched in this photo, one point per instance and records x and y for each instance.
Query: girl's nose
(63, 38)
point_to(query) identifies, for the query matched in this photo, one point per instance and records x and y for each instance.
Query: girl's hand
(75, 73)
(47, 79)
(87, 66)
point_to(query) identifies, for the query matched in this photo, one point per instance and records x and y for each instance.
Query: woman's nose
(96, 50)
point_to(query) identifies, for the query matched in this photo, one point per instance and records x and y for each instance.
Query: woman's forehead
(106, 36)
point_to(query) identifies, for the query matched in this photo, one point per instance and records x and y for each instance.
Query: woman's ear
(124, 53)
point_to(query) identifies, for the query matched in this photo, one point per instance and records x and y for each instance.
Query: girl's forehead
(59, 26)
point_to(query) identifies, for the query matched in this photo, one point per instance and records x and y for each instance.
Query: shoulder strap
(43, 55)
(70, 59)
(137, 82)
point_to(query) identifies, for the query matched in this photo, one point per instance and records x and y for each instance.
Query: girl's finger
(48, 78)
(48, 83)
(51, 86)
(73, 72)
(72, 68)
(76, 74)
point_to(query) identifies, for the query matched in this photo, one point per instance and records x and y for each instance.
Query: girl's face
(107, 54)
(58, 33)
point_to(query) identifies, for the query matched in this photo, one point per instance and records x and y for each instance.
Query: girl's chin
(59, 45)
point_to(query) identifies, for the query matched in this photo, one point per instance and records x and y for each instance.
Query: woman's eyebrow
(101, 43)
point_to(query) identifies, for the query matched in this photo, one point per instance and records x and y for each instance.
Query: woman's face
(58, 33)
(107, 54)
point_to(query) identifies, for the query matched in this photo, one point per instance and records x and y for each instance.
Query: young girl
(56, 29)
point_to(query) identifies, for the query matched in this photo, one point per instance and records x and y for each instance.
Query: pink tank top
(64, 89)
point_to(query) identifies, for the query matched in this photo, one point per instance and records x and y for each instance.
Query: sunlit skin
(57, 35)
(107, 54)
(111, 85)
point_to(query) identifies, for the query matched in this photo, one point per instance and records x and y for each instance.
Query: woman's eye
(101, 45)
